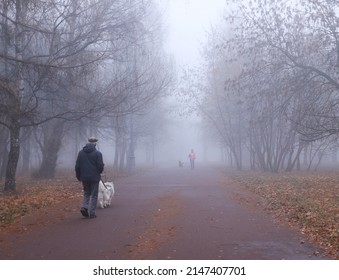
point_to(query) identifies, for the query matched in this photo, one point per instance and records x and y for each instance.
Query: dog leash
(103, 183)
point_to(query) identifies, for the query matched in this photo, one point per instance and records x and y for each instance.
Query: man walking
(88, 167)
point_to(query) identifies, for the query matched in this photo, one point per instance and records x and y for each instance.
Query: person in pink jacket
(192, 157)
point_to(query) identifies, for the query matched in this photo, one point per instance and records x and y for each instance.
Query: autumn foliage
(33, 195)
(307, 201)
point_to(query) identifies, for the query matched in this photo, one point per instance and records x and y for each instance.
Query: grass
(308, 201)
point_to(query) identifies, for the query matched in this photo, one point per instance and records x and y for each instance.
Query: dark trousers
(90, 196)
(192, 163)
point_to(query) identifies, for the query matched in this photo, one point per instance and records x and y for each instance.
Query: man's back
(89, 164)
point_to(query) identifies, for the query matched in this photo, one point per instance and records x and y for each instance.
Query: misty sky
(188, 21)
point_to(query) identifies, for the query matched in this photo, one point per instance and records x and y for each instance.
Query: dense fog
(247, 84)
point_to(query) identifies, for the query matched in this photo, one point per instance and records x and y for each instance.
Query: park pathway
(165, 213)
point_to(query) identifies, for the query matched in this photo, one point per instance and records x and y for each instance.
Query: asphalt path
(164, 213)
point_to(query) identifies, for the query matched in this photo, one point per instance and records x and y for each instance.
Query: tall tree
(45, 40)
(284, 61)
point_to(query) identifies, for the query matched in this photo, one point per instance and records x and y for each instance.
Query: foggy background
(247, 84)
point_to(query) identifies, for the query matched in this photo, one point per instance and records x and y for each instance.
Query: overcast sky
(188, 21)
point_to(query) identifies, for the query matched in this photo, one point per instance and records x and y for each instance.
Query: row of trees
(271, 81)
(72, 68)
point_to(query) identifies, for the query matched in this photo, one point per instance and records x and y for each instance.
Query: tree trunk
(13, 158)
(131, 156)
(52, 144)
(4, 151)
(116, 154)
(291, 163)
(122, 156)
(15, 92)
(3, 163)
(26, 150)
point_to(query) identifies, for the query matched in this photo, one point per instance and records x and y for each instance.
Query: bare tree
(149, 76)
(54, 39)
(300, 37)
(279, 63)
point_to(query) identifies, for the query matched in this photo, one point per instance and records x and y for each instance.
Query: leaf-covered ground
(33, 195)
(308, 201)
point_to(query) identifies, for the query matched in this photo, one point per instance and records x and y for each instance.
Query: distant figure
(88, 168)
(181, 164)
(192, 157)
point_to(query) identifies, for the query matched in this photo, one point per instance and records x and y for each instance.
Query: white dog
(105, 194)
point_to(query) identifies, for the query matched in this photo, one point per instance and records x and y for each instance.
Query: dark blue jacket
(89, 164)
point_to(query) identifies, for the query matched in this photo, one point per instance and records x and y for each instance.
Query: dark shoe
(92, 216)
(84, 212)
